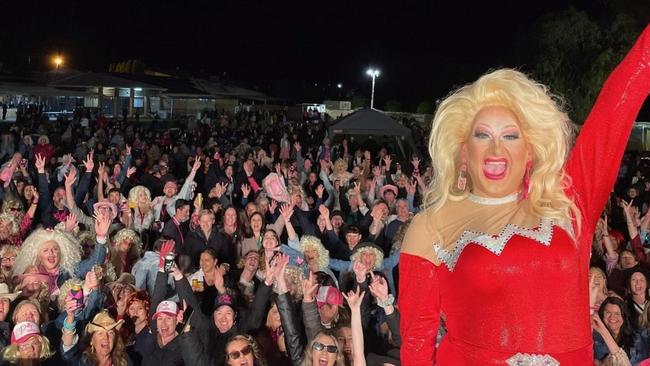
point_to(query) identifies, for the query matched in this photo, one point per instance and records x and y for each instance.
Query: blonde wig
(295, 278)
(379, 256)
(544, 125)
(309, 241)
(11, 353)
(8, 249)
(12, 221)
(135, 192)
(128, 234)
(70, 250)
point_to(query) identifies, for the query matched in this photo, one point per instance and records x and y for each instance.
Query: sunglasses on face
(241, 353)
(317, 346)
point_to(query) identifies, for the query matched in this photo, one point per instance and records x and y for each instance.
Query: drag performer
(501, 253)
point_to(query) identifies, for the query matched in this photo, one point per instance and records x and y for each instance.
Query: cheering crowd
(240, 240)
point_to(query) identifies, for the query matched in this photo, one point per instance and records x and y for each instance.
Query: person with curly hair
(57, 254)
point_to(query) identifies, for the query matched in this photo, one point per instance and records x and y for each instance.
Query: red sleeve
(419, 306)
(595, 159)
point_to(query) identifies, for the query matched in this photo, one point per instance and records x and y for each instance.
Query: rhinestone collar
(493, 201)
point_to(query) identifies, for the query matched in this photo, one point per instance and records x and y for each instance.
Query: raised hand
(71, 222)
(379, 287)
(415, 162)
(71, 306)
(297, 146)
(102, 223)
(130, 171)
(387, 161)
(245, 189)
(324, 211)
(360, 271)
(127, 150)
(320, 190)
(309, 288)
(273, 205)
(91, 281)
(412, 187)
(278, 168)
(167, 247)
(70, 177)
(354, 298)
(286, 211)
(40, 163)
(197, 164)
(89, 163)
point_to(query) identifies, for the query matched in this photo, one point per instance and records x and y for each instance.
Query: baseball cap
(166, 308)
(24, 331)
(329, 295)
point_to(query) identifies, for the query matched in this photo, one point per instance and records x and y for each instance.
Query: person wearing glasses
(323, 349)
(28, 346)
(242, 350)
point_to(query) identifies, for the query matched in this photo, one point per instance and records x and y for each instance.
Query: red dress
(520, 293)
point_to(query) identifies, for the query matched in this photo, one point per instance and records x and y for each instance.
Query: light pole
(57, 61)
(374, 73)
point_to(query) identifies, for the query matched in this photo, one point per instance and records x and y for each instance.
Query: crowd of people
(247, 240)
(243, 240)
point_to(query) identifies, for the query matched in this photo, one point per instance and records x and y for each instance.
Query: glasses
(8, 259)
(241, 353)
(317, 346)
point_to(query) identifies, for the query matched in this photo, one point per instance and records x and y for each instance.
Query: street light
(374, 73)
(57, 61)
(339, 85)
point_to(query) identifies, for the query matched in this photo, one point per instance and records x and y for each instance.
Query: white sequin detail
(525, 359)
(543, 235)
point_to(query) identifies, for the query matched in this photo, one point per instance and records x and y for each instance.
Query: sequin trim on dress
(542, 234)
(525, 359)
(493, 201)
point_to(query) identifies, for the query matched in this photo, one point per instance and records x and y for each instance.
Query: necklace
(493, 201)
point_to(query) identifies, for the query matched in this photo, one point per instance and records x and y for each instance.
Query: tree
(425, 107)
(393, 106)
(575, 54)
(359, 101)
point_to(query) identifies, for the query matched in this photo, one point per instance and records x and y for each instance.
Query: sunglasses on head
(317, 346)
(243, 352)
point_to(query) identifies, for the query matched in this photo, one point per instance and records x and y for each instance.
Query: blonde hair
(64, 290)
(12, 221)
(310, 241)
(135, 192)
(258, 358)
(12, 352)
(545, 126)
(70, 250)
(307, 360)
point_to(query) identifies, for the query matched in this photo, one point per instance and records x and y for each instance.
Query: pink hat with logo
(329, 295)
(24, 331)
(166, 308)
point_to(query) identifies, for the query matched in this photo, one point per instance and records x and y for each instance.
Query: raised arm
(602, 140)
(354, 299)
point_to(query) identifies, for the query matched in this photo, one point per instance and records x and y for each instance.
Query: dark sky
(422, 48)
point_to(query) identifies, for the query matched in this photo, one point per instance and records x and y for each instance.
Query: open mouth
(322, 361)
(51, 259)
(495, 169)
(243, 363)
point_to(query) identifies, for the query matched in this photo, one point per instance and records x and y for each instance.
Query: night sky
(423, 49)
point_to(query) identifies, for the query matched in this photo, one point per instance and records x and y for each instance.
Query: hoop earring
(462, 177)
(526, 185)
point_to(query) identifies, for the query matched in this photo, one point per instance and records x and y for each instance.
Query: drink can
(169, 262)
(77, 293)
